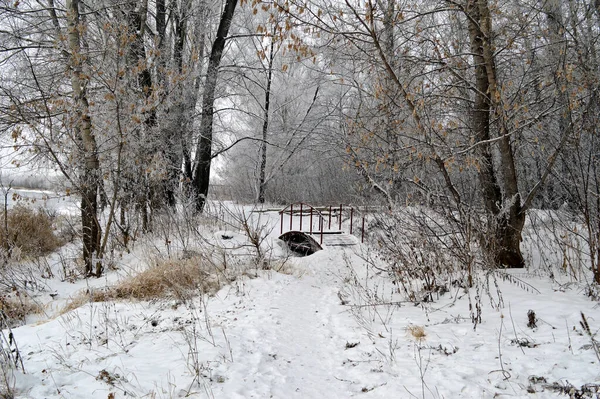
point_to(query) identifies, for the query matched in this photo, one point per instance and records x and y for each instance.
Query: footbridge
(306, 228)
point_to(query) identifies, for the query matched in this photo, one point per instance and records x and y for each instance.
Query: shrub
(28, 230)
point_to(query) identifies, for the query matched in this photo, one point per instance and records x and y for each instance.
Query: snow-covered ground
(327, 327)
(53, 201)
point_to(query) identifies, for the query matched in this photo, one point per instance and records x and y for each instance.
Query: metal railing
(323, 214)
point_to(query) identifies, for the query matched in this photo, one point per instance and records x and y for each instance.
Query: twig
(514, 328)
(588, 331)
(505, 373)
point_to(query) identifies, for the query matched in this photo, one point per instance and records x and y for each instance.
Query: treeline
(478, 109)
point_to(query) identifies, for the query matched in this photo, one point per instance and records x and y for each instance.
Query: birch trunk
(262, 183)
(83, 128)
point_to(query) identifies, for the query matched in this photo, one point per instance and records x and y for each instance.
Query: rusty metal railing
(303, 210)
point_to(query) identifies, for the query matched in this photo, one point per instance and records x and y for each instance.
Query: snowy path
(289, 337)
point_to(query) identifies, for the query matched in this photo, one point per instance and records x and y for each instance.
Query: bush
(30, 231)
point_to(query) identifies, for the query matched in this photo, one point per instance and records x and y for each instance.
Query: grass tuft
(417, 332)
(15, 307)
(164, 279)
(28, 230)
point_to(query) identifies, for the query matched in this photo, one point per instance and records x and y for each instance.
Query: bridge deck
(338, 239)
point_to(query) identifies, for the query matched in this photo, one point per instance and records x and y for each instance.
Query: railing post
(362, 236)
(340, 217)
(301, 216)
(351, 218)
(291, 216)
(281, 228)
(329, 217)
(311, 213)
(322, 222)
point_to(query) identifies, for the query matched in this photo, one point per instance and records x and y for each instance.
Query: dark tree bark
(168, 135)
(502, 202)
(161, 20)
(492, 195)
(173, 135)
(145, 194)
(192, 99)
(201, 170)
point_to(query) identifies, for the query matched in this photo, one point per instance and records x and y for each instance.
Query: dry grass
(28, 230)
(417, 332)
(76, 302)
(164, 279)
(15, 307)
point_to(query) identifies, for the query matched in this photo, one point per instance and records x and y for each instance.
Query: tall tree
(203, 157)
(262, 179)
(83, 127)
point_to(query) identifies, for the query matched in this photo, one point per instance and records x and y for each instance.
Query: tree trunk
(161, 20)
(390, 92)
(177, 124)
(166, 192)
(201, 172)
(262, 184)
(146, 191)
(492, 195)
(91, 164)
(507, 245)
(504, 239)
(192, 99)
